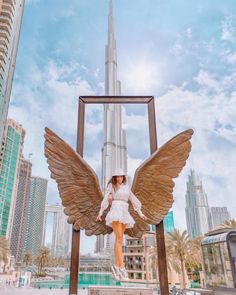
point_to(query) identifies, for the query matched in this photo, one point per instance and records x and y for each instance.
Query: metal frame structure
(160, 239)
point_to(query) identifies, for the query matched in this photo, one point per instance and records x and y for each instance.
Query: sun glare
(141, 77)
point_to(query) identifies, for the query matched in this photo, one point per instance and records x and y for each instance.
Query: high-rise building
(60, 232)
(99, 244)
(168, 221)
(219, 215)
(114, 150)
(197, 210)
(11, 12)
(10, 155)
(21, 209)
(35, 215)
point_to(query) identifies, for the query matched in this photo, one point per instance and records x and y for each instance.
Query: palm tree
(194, 253)
(193, 262)
(4, 251)
(177, 248)
(42, 259)
(27, 258)
(228, 224)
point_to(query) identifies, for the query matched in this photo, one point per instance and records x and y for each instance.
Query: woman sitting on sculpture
(118, 193)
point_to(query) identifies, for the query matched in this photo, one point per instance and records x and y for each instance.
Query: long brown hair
(113, 181)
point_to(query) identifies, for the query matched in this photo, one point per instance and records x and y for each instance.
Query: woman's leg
(123, 227)
(118, 231)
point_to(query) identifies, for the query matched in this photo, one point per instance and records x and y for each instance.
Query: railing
(193, 291)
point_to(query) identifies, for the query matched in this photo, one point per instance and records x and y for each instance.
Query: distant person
(174, 290)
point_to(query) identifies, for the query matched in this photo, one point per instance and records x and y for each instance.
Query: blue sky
(182, 52)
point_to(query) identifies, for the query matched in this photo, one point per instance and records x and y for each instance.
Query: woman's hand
(99, 218)
(143, 217)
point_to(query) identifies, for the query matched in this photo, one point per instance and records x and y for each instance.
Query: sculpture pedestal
(121, 290)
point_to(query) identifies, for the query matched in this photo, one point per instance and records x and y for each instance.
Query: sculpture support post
(74, 262)
(75, 245)
(160, 237)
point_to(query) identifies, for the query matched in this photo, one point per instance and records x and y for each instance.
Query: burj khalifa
(114, 150)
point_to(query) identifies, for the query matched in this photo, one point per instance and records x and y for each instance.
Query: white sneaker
(123, 274)
(115, 272)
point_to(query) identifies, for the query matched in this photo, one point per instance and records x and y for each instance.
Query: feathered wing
(77, 184)
(153, 181)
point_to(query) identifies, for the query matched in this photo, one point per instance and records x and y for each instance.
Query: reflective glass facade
(11, 150)
(168, 221)
(35, 215)
(197, 211)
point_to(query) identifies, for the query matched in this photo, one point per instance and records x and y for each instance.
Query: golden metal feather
(153, 181)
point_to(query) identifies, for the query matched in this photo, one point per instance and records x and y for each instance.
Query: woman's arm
(105, 201)
(136, 203)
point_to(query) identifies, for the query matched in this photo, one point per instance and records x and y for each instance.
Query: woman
(119, 217)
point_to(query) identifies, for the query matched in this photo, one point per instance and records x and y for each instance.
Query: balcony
(7, 14)
(134, 254)
(9, 8)
(4, 27)
(2, 69)
(10, 2)
(134, 245)
(4, 35)
(3, 49)
(4, 44)
(2, 58)
(6, 20)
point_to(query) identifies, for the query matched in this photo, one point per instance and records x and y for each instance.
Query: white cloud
(141, 73)
(47, 100)
(133, 164)
(228, 31)
(210, 83)
(231, 58)
(213, 145)
(189, 32)
(205, 79)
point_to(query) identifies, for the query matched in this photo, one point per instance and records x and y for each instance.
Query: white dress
(119, 210)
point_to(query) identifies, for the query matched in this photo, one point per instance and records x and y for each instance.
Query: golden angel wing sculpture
(153, 181)
(80, 191)
(77, 184)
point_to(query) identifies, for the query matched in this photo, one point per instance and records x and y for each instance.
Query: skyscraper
(197, 210)
(168, 221)
(11, 12)
(11, 152)
(219, 215)
(114, 150)
(60, 232)
(21, 209)
(35, 215)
